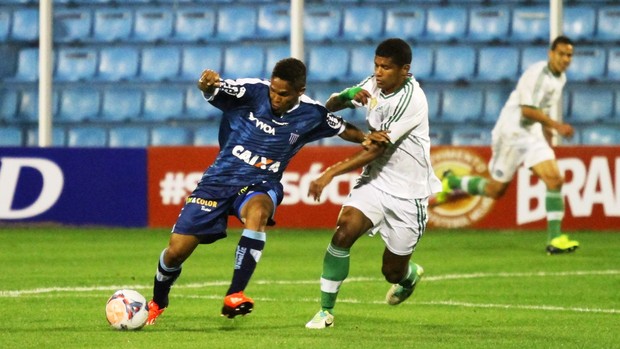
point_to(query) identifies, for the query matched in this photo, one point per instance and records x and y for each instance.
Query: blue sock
(247, 255)
(164, 279)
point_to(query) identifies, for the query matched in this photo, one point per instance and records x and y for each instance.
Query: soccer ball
(127, 310)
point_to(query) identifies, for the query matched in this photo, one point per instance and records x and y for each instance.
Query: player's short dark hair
(292, 70)
(561, 40)
(396, 49)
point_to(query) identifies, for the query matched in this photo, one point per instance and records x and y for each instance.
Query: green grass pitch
(481, 289)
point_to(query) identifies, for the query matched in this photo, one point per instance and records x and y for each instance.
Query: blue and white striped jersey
(256, 145)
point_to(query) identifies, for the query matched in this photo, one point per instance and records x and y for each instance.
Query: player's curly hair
(292, 70)
(396, 49)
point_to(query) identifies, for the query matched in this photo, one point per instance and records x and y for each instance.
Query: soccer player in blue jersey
(264, 124)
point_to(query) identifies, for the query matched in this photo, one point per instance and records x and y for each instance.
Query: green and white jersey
(404, 170)
(538, 87)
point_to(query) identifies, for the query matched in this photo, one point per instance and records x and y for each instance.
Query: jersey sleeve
(232, 93)
(331, 125)
(528, 87)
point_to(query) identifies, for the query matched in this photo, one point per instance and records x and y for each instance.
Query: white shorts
(401, 222)
(508, 156)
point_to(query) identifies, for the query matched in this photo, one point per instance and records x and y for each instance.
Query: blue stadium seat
(322, 23)
(498, 63)
(168, 135)
(461, 105)
(196, 107)
(471, 136)
(600, 135)
(10, 136)
(118, 63)
(591, 105)
(112, 24)
(405, 22)
(160, 63)
(327, 63)
(422, 62)
(75, 64)
(29, 104)
(273, 54)
(25, 25)
(579, 22)
(531, 55)
(72, 25)
(362, 23)
(27, 65)
(207, 135)
(244, 62)
(608, 24)
(59, 137)
(616, 117)
(446, 23)
(8, 105)
(362, 62)
(494, 100)
(236, 23)
(121, 104)
(530, 24)
(274, 21)
(454, 63)
(433, 97)
(129, 137)
(588, 64)
(87, 137)
(79, 103)
(438, 135)
(195, 59)
(5, 24)
(489, 24)
(194, 24)
(613, 64)
(152, 24)
(163, 103)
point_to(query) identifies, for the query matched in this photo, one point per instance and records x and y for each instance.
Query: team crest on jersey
(333, 121)
(373, 103)
(293, 138)
(237, 91)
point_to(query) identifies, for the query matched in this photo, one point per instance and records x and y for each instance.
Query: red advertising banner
(591, 189)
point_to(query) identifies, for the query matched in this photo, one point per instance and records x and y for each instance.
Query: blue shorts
(206, 210)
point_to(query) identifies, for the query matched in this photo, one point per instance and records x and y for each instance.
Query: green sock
(554, 204)
(473, 185)
(335, 270)
(411, 276)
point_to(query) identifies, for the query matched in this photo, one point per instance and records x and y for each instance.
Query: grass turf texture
(481, 290)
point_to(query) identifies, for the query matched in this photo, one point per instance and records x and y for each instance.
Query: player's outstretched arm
(209, 81)
(358, 160)
(342, 100)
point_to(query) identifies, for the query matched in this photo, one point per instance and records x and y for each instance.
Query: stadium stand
(406, 22)
(195, 24)
(78, 104)
(498, 63)
(152, 24)
(88, 136)
(123, 50)
(160, 63)
(121, 104)
(489, 24)
(129, 137)
(169, 135)
(530, 24)
(75, 64)
(72, 25)
(600, 135)
(461, 105)
(471, 136)
(206, 135)
(446, 23)
(112, 24)
(59, 137)
(10, 136)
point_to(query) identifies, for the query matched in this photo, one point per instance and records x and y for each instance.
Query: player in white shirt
(391, 195)
(522, 135)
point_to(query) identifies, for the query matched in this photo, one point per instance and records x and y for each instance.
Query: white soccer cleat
(398, 294)
(321, 320)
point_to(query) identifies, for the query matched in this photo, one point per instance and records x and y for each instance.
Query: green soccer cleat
(443, 196)
(321, 320)
(398, 294)
(562, 244)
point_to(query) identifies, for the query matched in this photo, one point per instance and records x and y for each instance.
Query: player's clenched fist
(209, 81)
